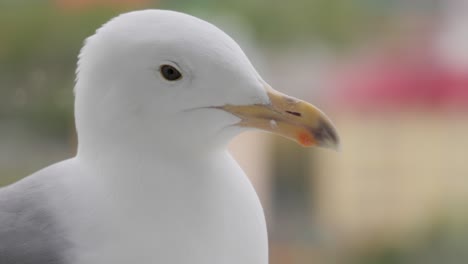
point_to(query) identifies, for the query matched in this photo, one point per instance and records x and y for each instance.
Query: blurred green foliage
(38, 50)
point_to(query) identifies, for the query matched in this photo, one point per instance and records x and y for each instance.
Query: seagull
(158, 96)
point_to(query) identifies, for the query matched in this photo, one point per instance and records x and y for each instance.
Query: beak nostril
(294, 113)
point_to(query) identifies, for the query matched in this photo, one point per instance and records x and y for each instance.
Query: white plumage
(152, 181)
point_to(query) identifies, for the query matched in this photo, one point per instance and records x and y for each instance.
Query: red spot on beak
(305, 139)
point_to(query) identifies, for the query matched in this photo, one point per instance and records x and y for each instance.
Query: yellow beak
(288, 117)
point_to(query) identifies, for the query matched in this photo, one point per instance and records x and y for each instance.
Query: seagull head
(158, 79)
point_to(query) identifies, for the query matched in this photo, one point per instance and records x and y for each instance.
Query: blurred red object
(395, 81)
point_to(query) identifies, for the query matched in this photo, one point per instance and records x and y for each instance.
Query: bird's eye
(170, 73)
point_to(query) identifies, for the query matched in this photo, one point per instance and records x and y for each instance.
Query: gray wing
(29, 233)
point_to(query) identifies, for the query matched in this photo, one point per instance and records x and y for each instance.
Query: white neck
(150, 209)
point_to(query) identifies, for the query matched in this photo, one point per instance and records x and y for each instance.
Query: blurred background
(393, 75)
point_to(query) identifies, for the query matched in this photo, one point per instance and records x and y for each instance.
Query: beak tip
(336, 146)
(327, 136)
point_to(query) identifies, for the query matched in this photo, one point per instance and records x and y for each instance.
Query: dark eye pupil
(170, 73)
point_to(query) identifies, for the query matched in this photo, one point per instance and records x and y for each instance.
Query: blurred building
(402, 112)
(403, 119)
(401, 108)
